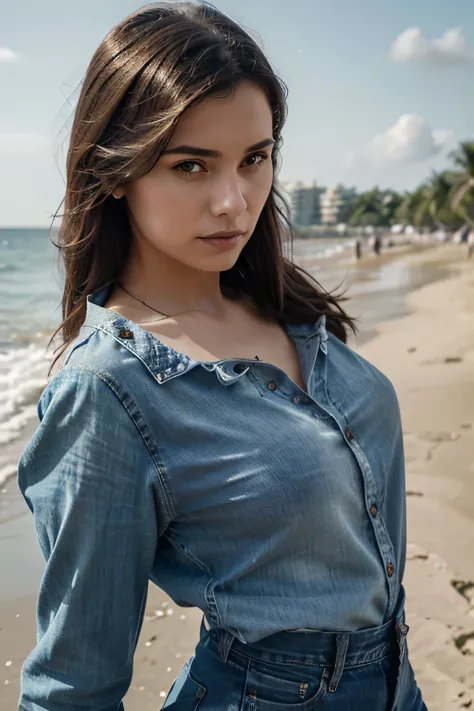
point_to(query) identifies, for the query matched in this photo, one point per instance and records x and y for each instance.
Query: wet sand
(417, 339)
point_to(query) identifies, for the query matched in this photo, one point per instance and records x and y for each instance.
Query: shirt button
(390, 570)
(373, 511)
(296, 400)
(349, 433)
(125, 333)
(271, 385)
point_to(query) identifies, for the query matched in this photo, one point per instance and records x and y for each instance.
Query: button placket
(384, 543)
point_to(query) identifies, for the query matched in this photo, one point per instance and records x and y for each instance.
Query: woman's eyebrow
(209, 153)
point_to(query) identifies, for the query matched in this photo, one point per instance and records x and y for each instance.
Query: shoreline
(429, 355)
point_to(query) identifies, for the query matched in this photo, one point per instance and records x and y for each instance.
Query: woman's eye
(187, 166)
(182, 167)
(262, 157)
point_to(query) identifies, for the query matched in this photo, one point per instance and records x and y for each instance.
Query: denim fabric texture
(268, 507)
(353, 671)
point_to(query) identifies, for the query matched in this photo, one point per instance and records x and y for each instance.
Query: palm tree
(364, 208)
(375, 208)
(436, 201)
(462, 195)
(413, 209)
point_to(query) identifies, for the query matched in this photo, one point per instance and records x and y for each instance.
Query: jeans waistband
(321, 648)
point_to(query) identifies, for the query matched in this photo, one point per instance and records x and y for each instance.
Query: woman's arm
(91, 482)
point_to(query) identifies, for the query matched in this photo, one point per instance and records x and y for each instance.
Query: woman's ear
(118, 193)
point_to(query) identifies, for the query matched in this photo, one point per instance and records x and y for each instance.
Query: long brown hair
(157, 62)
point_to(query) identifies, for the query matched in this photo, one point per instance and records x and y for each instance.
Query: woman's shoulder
(94, 355)
(346, 360)
(106, 349)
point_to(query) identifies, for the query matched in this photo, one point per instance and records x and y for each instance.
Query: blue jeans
(367, 670)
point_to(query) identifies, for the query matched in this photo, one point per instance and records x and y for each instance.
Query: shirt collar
(163, 360)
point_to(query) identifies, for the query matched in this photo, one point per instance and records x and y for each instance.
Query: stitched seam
(336, 405)
(211, 600)
(190, 556)
(380, 490)
(256, 384)
(288, 663)
(315, 664)
(369, 662)
(130, 350)
(159, 467)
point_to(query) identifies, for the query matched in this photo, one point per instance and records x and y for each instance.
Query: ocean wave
(321, 249)
(23, 376)
(7, 472)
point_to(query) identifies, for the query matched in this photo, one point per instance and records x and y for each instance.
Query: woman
(208, 428)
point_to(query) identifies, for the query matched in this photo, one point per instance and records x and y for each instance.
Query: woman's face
(187, 196)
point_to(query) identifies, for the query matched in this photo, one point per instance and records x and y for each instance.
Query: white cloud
(451, 48)
(409, 140)
(22, 143)
(8, 55)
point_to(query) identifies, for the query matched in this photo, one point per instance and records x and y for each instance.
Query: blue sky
(371, 99)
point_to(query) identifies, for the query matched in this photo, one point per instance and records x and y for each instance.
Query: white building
(305, 202)
(334, 202)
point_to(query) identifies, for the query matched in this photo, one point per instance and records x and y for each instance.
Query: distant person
(377, 245)
(374, 243)
(358, 248)
(208, 427)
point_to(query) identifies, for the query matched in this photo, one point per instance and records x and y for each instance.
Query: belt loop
(226, 640)
(342, 645)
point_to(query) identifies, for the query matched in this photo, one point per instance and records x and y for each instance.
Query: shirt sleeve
(90, 479)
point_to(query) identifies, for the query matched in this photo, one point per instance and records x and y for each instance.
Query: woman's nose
(228, 198)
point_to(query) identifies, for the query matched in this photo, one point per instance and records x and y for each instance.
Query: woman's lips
(222, 242)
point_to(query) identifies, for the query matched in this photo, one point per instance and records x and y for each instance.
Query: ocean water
(30, 297)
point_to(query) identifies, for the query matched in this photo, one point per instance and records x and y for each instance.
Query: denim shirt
(266, 506)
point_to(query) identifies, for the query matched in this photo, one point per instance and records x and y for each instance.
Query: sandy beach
(429, 355)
